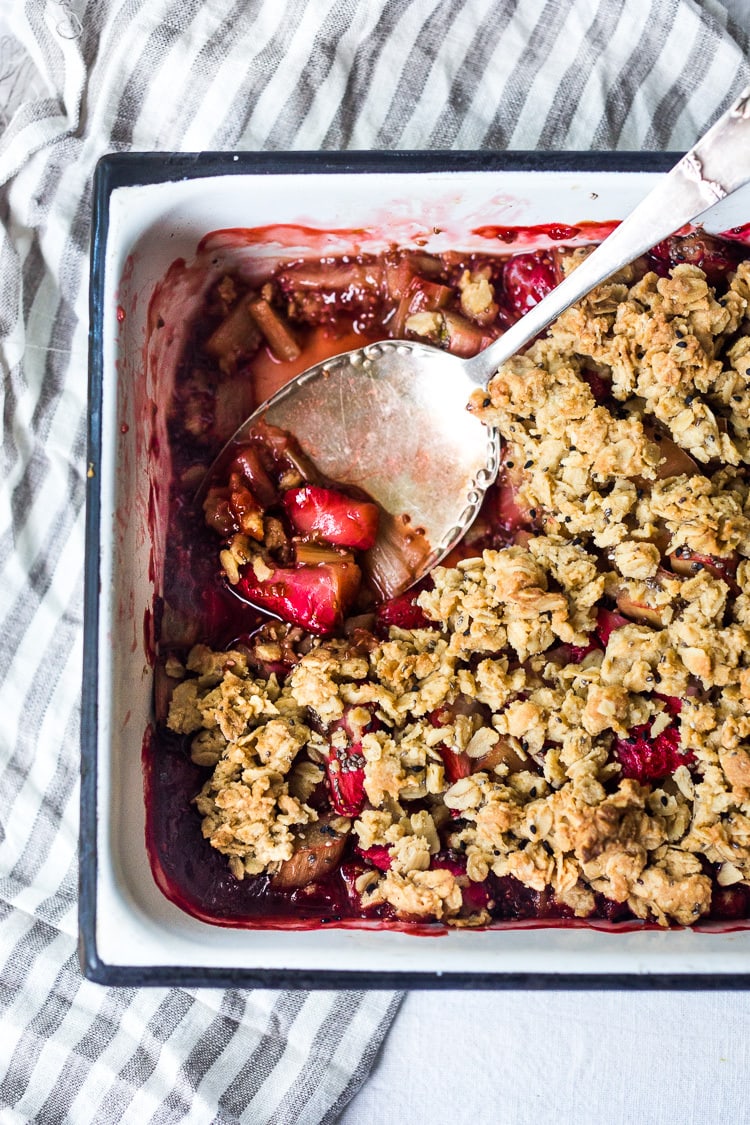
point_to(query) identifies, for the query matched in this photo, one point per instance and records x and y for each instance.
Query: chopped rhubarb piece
(419, 295)
(527, 278)
(311, 554)
(237, 337)
(463, 337)
(277, 333)
(645, 759)
(675, 461)
(402, 612)
(400, 273)
(641, 611)
(245, 508)
(378, 856)
(248, 464)
(687, 562)
(606, 623)
(318, 849)
(333, 516)
(429, 295)
(326, 277)
(315, 597)
(502, 753)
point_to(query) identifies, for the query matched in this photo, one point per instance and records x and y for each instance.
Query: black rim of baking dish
(131, 169)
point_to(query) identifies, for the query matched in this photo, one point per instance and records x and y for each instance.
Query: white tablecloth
(576, 1058)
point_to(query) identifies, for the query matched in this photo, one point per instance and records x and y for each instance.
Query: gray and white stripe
(258, 74)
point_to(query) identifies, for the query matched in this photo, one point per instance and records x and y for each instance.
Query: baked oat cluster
(570, 709)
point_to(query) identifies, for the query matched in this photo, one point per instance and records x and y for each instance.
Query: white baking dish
(149, 211)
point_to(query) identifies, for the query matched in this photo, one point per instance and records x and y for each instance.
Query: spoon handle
(715, 167)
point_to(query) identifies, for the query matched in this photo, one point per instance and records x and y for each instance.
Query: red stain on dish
(120, 314)
(737, 234)
(555, 232)
(313, 239)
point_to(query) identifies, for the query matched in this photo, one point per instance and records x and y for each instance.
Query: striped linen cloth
(82, 77)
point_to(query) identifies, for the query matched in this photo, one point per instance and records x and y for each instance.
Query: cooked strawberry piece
(355, 731)
(610, 910)
(645, 759)
(600, 387)
(351, 872)
(714, 256)
(476, 896)
(449, 861)
(333, 516)
(672, 704)
(315, 597)
(729, 903)
(378, 856)
(218, 513)
(527, 278)
(514, 901)
(402, 612)
(511, 516)
(457, 764)
(606, 623)
(345, 767)
(578, 653)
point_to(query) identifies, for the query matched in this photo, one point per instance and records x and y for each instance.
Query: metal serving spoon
(391, 417)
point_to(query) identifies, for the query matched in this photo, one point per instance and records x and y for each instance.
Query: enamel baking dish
(150, 210)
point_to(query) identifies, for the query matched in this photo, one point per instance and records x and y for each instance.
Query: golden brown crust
(545, 799)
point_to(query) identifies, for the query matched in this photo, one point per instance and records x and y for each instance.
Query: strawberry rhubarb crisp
(555, 725)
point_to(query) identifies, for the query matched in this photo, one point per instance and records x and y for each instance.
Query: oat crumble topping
(537, 703)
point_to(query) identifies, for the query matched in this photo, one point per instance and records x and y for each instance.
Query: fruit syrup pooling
(303, 312)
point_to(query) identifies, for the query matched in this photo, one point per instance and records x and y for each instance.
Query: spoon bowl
(390, 418)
